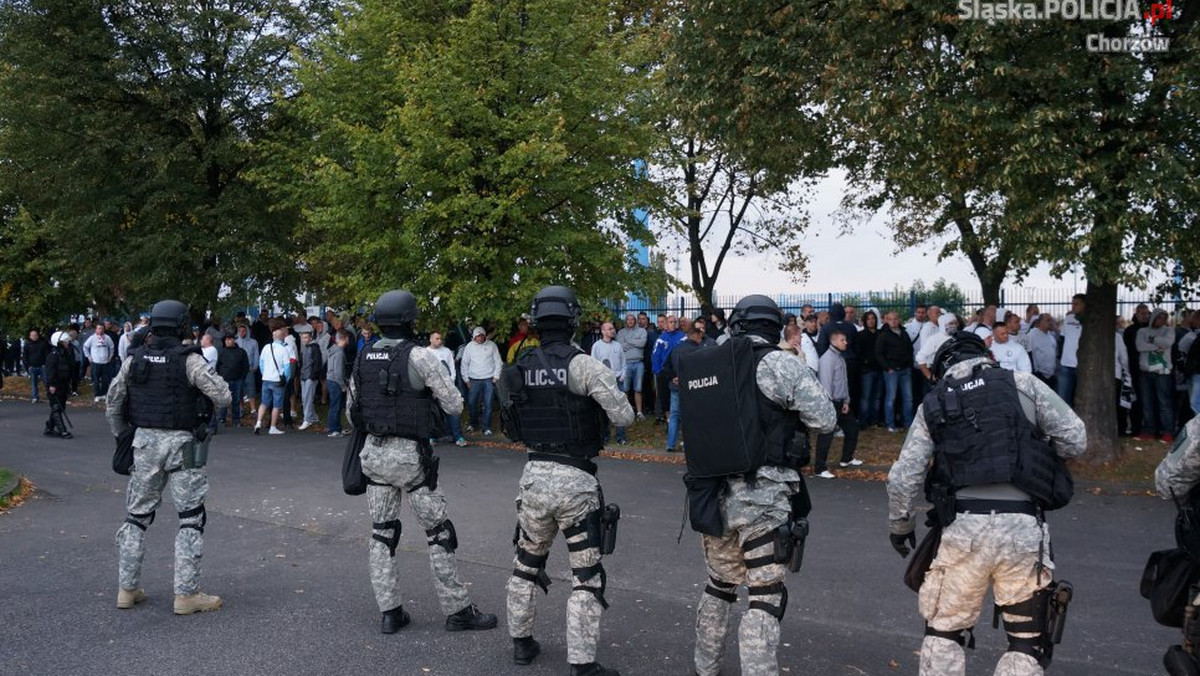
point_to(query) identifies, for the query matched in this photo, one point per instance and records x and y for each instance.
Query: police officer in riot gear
(558, 401)
(757, 526)
(1177, 478)
(166, 391)
(393, 393)
(982, 426)
(60, 365)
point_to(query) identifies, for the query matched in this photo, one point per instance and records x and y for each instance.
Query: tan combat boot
(186, 604)
(128, 598)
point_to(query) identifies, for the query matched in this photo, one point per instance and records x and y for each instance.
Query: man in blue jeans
(481, 364)
(35, 353)
(1072, 329)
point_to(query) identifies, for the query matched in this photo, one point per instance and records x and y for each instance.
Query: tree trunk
(1095, 391)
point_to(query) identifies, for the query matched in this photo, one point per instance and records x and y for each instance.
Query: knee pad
(391, 542)
(136, 519)
(191, 514)
(540, 578)
(586, 573)
(725, 591)
(766, 590)
(443, 534)
(956, 635)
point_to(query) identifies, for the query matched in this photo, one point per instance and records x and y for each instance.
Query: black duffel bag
(1166, 583)
(122, 461)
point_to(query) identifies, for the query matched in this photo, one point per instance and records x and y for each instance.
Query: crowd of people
(875, 366)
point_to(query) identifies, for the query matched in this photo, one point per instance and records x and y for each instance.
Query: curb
(11, 487)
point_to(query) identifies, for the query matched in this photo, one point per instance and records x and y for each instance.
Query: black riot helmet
(961, 346)
(170, 318)
(555, 301)
(754, 308)
(396, 308)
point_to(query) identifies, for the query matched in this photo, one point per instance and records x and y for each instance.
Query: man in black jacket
(894, 352)
(232, 366)
(34, 355)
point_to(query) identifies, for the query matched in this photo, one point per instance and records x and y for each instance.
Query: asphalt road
(286, 549)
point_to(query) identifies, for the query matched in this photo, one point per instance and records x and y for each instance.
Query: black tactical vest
(551, 419)
(734, 428)
(779, 425)
(982, 436)
(389, 403)
(160, 396)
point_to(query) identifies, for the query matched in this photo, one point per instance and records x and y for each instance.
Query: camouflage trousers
(744, 556)
(157, 464)
(978, 551)
(556, 497)
(397, 463)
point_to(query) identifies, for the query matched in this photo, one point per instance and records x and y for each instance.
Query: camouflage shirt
(587, 377)
(424, 370)
(1180, 470)
(1050, 415)
(209, 383)
(786, 381)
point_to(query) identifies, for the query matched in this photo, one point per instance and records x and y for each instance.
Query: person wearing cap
(60, 364)
(481, 364)
(521, 342)
(232, 365)
(993, 442)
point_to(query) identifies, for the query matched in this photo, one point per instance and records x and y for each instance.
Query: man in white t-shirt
(1008, 353)
(99, 349)
(276, 362)
(1072, 329)
(438, 348)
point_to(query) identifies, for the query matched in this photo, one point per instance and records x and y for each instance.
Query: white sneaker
(892, 430)
(487, 433)
(305, 426)
(839, 433)
(640, 416)
(460, 442)
(275, 430)
(855, 462)
(95, 400)
(827, 475)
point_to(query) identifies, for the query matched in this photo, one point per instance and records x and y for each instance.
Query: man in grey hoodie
(833, 376)
(1154, 344)
(633, 340)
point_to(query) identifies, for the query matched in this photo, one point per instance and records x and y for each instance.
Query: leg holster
(540, 578)
(390, 542)
(771, 538)
(766, 590)
(1035, 608)
(443, 534)
(137, 519)
(592, 524)
(725, 591)
(956, 636)
(187, 518)
(584, 574)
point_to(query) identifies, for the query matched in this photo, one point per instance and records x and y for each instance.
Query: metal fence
(1056, 301)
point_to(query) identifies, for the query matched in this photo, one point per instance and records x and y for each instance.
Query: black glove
(903, 543)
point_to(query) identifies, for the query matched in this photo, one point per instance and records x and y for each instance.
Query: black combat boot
(470, 618)
(593, 669)
(525, 649)
(394, 620)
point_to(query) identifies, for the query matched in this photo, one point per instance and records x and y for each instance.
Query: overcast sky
(864, 260)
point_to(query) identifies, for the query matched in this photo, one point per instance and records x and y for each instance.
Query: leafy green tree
(471, 152)
(1049, 151)
(735, 177)
(128, 130)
